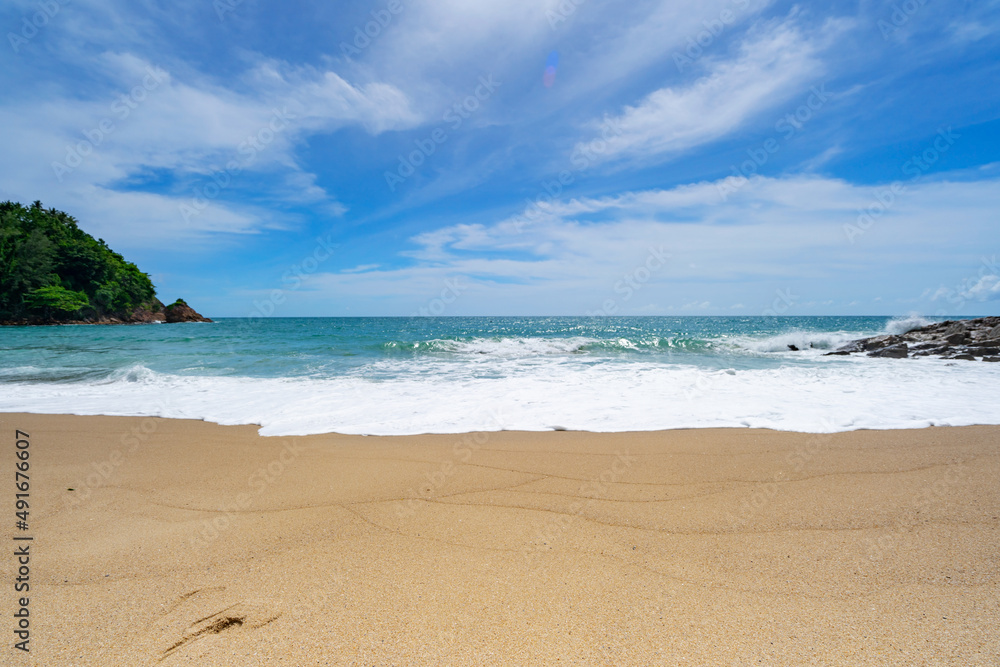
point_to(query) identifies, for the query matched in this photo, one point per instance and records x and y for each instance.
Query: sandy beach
(187, 543)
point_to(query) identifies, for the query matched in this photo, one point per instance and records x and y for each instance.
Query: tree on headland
(51, 269)
(55, 298)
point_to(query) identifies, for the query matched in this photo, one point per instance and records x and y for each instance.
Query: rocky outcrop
(959, 339)
(179, 311)
(897, 351)
(148, 313)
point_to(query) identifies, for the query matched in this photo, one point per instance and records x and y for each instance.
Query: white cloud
(987, 288)
(970, 31)
(773, 64)
(361, 268)
(603, 45)
(436, 50)
(324, 101)
(771, 234)
(92, 152)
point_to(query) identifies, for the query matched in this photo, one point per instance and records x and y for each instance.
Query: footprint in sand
(206, 612)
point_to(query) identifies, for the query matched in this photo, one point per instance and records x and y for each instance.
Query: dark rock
(150, 313)
(144, 314)
(954, 339)
(878, 342)
(179, 311)
(837, 353)
(900, 351)
(850, 348)
(993, 359)
(937, 350)
(964, 357)
(793, 348)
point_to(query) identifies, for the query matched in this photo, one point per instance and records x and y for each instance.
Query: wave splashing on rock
(968, 340)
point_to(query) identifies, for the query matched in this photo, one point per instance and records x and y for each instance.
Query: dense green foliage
(51, 269)
(55, 298)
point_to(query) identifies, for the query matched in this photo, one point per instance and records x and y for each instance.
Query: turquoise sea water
(407, 375)
(331, 347)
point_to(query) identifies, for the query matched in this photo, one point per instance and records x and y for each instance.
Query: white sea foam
(820, 341)
(841, 393)
(21, 370)
(511, 347)
(536, 346)
(823, 341)
(902, 325)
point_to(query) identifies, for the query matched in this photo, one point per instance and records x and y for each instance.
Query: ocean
(398, 376)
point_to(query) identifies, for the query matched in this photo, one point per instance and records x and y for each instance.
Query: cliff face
(147, 314)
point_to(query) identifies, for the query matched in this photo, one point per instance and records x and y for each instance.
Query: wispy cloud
(772, 233)
(144, 106)
(987, 288)
(773, 64)
(148, 123)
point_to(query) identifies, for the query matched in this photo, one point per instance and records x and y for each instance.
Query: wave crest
(803, 340)
(137, 373)
(537, 346)
(902, 325)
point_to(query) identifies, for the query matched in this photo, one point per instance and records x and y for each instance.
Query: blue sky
(460, 157)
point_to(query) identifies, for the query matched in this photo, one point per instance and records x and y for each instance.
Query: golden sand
(187, 543)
